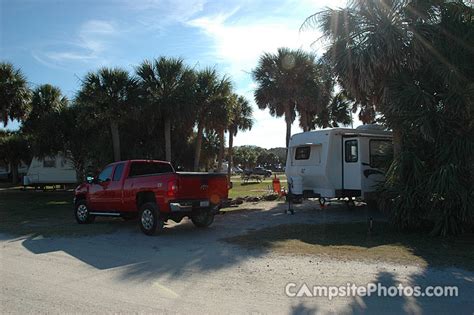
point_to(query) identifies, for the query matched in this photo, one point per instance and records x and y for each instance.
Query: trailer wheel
(82, 214)
(203, 218)
(150, 220)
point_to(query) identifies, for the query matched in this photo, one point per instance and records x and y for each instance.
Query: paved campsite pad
(189, 270)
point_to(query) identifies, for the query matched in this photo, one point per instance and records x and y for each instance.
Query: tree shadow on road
(179, 249)
(183, 250)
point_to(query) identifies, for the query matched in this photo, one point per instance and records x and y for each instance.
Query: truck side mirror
(90, 179)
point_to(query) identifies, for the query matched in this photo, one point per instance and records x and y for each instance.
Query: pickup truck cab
(154, 192)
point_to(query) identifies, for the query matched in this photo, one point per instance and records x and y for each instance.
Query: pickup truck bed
(154, 192)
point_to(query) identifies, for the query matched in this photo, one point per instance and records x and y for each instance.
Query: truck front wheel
(149, 219)
(82, 214)
(203, 218)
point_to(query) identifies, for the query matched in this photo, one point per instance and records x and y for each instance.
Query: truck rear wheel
(149, 219)
(82, 214)
(203, 218)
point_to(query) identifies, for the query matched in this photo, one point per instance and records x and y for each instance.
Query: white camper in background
(5, 172)
(337, 162)
(56, 170)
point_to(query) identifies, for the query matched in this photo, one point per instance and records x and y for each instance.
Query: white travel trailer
(337, 162)
(55, 170)
(5, 171)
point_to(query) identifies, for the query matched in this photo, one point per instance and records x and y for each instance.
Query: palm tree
(14, 93)
(369, 42)
(14, 149)
(110, 94)
(413, 62)
(290, 81)
(167, 85)
(47, 102)
(337, 112)
(45, 99)
(211, 99)
(240, 119)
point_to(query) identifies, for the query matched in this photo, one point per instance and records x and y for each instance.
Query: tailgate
(197, 186)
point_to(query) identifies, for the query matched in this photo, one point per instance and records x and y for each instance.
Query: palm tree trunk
(115, 139)
(168, 139)
(397, 143)
(231, 157)
(221, 150)
(197, 153)
(14, 171)
(288, 131)
(80, 173)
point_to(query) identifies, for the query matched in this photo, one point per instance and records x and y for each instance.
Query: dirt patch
(353, 241)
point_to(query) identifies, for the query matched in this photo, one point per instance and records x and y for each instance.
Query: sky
(59, 41)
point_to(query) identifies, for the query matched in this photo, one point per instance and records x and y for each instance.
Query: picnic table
(251, 177)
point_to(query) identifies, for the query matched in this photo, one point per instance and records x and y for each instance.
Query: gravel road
(188, 270)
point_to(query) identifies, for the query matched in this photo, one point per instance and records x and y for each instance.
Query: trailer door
(351, 164)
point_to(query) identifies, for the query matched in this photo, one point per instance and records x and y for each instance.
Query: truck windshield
(149, 168)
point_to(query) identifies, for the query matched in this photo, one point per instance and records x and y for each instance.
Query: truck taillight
(172, 188)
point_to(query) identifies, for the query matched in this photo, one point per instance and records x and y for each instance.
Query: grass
(46, 214)
(351, 241)
(50, 213)
(252, 188)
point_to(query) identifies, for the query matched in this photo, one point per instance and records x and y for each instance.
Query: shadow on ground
(181, 246)
(182, 249)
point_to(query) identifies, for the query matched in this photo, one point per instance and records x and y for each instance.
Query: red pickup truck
(154, 192)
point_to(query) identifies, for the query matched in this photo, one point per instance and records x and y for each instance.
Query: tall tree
(110, 94)
(14, 93)
(369, 43)
(337, 112)
(290, 81)
(211, 96)
(413, 61)
(47, 102)
(240, 119)
(167, 86)
(14, 148)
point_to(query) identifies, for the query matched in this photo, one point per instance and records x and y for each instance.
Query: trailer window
(49, 163)
(149, 168)
(118, 172)
(351, 151)
(302, 153)
(381, 151)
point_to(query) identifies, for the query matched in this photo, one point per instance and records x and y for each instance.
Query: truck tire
(81, 212)
(149, 219)
(203, 219)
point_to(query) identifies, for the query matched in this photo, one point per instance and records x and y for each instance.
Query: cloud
(240, 38)
(157, 14)
(90, 43)
(239, 44)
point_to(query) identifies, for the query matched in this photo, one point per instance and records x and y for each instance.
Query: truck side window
(118, 172)
(106, 174)
(302, 153)
(149, 168)
(351, 151)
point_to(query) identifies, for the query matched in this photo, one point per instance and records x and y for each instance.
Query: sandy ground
(189, 270)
